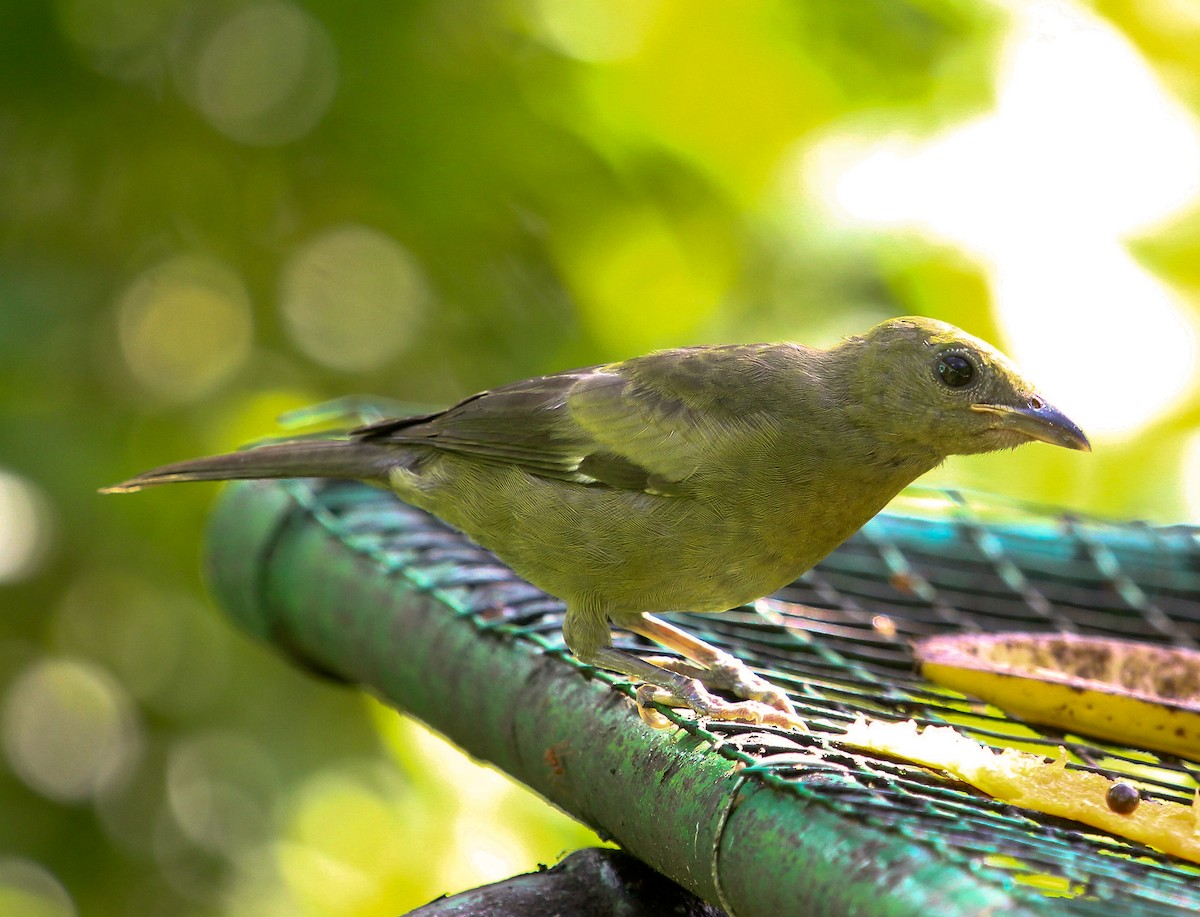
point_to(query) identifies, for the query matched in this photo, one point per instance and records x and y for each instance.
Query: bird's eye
(955, 370)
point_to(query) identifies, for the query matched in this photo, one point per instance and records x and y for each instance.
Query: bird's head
(930, 381)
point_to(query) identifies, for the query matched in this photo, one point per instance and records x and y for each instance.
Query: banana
(1135, 694)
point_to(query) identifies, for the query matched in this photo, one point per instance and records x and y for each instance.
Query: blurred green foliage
(215, 211)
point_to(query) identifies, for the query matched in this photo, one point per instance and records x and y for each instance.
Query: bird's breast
(731, 539)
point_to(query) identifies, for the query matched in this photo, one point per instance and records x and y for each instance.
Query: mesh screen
(838, 640)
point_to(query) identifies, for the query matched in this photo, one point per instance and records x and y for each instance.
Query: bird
(693, 479)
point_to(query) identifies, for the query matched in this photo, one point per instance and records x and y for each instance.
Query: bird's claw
(646, 698)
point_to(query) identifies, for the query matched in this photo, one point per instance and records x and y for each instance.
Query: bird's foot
(706, 667)
(688, 682)
(689, 692)
(727, 673)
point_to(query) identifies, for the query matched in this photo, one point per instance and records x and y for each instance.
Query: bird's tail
(328, 458)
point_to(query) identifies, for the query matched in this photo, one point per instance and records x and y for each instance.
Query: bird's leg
(681, 683)
(712, 667)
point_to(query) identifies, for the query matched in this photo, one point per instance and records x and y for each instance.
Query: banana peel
(1136, 694)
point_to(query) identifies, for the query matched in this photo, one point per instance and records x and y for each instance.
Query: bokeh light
(25, 527)
(221, 788)
(69, 729)
(185, 327)
(264, 74)
(123, 624)
(29, 890)
(353, 298)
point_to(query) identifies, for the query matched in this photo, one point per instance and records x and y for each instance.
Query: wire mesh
(839, 638)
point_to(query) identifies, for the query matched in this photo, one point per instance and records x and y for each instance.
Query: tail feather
(350, 459)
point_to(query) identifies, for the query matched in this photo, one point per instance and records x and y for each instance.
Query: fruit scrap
(1033, 782)
(1138, 694)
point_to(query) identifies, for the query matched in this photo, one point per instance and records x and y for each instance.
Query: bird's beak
(1039, 420)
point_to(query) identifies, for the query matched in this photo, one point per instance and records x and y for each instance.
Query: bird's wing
(525, 424)
(647, 424)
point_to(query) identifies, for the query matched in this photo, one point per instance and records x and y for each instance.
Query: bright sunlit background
(212, 213)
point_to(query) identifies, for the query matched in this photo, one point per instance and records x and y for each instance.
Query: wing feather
(647, 424)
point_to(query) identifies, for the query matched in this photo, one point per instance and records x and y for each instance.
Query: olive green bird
(695, 479)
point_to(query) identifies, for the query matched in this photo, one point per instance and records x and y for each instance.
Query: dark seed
(1122, 798)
